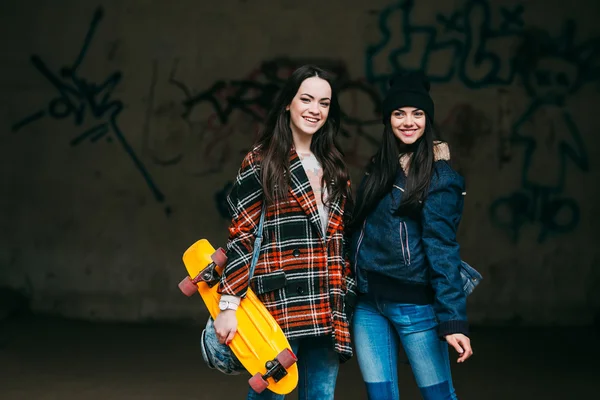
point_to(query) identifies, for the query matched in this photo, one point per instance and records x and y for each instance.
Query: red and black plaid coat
(303, 278)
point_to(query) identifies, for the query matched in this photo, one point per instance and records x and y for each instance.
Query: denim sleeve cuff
(450, 327)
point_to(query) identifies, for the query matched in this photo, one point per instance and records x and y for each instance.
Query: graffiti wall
(126, 124)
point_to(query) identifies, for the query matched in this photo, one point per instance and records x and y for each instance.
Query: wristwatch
(227, 305)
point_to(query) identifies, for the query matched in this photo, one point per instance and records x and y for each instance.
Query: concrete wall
(123, 122)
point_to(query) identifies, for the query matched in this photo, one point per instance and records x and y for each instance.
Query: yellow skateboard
(259, 343)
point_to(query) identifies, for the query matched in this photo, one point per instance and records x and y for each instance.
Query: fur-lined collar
(441, 151)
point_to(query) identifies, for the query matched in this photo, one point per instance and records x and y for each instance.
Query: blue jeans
(379, 327)
(318, 366)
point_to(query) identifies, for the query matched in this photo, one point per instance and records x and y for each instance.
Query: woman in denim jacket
(405, 251)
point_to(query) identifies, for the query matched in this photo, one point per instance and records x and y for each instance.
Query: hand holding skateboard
(259, 343)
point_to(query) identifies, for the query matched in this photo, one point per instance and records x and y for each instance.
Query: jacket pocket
(268, 282)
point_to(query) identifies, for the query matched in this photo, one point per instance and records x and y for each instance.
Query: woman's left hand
(461, 344)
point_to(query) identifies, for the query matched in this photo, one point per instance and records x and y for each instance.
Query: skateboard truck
(209, 274)
(276, 369)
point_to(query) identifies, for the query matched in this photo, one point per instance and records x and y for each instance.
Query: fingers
(462, 345)
(221, 335)
(225, 326)
(468, 350)
(225, 336)
(465, 344)
(230, 336)
(454, 343)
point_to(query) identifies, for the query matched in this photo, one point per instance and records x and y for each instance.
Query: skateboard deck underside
(258, 338)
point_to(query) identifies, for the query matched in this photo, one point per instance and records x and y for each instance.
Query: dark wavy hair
(276, 140)
(383, 169)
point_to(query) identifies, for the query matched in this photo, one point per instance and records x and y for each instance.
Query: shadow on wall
(14, 303)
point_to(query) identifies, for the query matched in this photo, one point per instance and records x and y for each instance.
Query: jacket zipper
(360, 239)
(405, 251)
(403, 240)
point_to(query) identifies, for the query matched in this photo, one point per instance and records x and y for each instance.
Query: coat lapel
(336, 217)
(302, 191)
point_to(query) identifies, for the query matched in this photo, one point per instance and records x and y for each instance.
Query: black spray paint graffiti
(253, 96)
(241, 106)
(461, 45)
(551, 69)
(81, 98)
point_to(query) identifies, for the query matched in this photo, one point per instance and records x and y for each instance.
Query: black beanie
(408, 89)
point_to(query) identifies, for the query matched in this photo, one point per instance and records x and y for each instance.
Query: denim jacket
(421, 252)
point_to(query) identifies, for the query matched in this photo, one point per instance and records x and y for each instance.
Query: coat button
(296, 252)
(300, 290)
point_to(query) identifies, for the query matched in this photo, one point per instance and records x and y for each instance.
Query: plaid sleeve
(245, 205)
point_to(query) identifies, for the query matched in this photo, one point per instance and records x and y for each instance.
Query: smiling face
(408, 124)
(309, 107)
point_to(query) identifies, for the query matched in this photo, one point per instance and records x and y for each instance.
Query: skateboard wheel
(219, 257)
(257, 383)
(286, 358)
(188, 287)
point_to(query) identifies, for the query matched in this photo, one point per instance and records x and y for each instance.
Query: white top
(314, 171)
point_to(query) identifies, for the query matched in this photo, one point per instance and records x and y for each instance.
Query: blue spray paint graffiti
(458, 46)
(469, 44)
(551, 69)
(80, 98)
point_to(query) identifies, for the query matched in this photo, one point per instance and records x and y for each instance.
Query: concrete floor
(47, 358)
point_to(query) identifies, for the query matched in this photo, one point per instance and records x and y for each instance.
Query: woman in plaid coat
(303, 276)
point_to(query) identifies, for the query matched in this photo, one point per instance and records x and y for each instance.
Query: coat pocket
(268, 282)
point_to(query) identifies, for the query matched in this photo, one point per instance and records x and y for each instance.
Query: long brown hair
(276, 140)
(383, 169)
